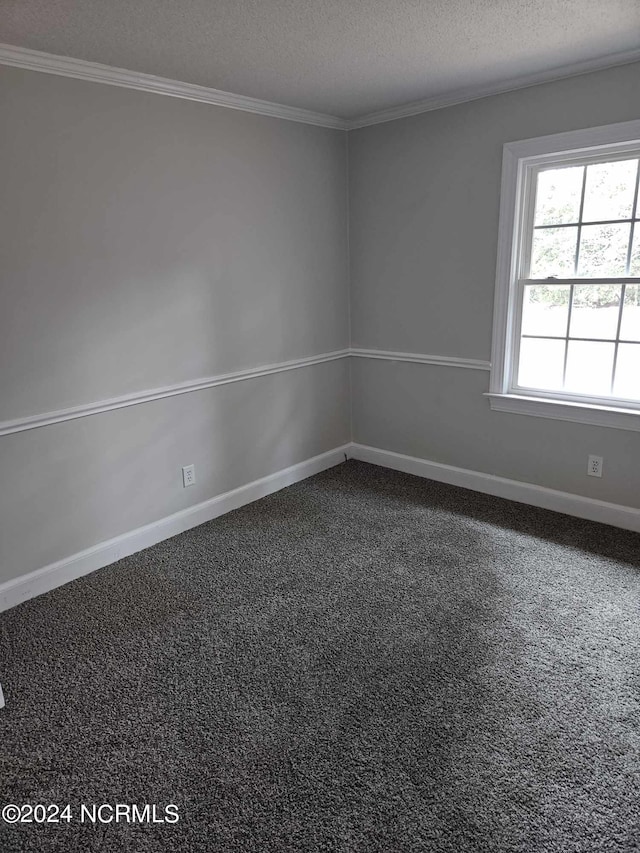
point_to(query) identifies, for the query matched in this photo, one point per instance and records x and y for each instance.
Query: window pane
(609, 190)
(545, 310)
(541, 363)
(634, 265)
(553, 252)
(595, 311)
(627, 382)
(558, 194)
(603, 250)
(630, 327)
(589, 367)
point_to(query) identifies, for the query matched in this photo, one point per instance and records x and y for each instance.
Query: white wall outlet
(188, 475)
(594, 466)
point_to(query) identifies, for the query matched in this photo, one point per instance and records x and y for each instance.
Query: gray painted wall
(424, 200)
(146, 241)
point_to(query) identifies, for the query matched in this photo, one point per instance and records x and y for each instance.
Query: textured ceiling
(342, 57)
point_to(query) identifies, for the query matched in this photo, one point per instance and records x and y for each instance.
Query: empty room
(319, 426)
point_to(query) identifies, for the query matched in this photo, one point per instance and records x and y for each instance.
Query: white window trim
(517, 157)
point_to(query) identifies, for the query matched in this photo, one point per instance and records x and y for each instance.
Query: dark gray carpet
(365, 661)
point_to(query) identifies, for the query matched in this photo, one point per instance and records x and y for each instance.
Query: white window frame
(521, 161)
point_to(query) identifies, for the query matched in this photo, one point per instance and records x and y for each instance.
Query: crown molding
(80, 69)
(474, 93)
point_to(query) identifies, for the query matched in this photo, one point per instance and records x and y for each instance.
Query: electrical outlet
(594, 466)
(188, 475)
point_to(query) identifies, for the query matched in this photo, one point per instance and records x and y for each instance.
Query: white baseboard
(594, 510)
(56, 574)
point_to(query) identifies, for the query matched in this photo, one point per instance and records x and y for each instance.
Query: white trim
(80, 69)
(528, 493)
(56, 574)
(520, 161)
(499, 401)
(563, 410)
(586, 139)
(134, 399)
(509, 228)
(474, 93)
(422, 358)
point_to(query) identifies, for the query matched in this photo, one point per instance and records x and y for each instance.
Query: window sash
(609, 400)
(523, 248)
(530, 185)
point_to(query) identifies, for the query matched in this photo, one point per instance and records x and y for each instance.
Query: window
(567, 315)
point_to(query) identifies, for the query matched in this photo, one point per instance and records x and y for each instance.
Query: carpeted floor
(365, 661)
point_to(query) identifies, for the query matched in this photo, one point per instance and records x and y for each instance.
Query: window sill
(564, 410)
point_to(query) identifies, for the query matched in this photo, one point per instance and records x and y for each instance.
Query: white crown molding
(80, 69)
(47, 418)
(527, 493)
(422, 358)
(474, 93)
(56, 574)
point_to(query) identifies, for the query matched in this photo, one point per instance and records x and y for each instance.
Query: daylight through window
(578, 309)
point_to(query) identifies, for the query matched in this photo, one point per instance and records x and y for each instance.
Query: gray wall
(424, 200)
(146, 241)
